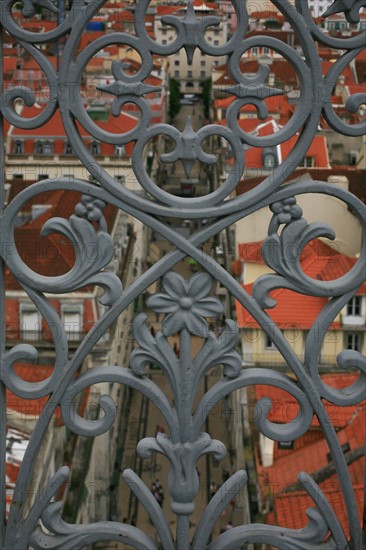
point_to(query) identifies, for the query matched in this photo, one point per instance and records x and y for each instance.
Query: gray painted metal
(185, 304)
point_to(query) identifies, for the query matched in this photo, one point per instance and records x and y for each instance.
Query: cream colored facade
(257, 351)
(317, 208)
(351, 323)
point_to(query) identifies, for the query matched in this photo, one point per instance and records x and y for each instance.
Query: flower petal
(162, 303)
(175, 285)
(196, 325)
(296, 211)
(284, 218)
(199, 285)
(208, 307)
(173, 323)
(289, 201)
(80, 209)
(276, 207)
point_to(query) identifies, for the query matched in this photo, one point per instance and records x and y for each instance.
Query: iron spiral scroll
(185, 304)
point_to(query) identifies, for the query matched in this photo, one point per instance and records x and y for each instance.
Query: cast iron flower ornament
(186, 303)
(287, 210)
(90, 208)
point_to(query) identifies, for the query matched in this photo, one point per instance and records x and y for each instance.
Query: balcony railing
(173, 328)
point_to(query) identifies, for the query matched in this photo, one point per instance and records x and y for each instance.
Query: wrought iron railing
(185, 304)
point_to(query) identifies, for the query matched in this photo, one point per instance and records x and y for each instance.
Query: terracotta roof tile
(290, 509)
(318, 261)
(30, 373)
(313, 457)
(285, 407)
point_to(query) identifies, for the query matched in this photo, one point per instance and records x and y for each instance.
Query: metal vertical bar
(2, 329)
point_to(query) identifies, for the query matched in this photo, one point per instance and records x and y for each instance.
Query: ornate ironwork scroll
(185, 304)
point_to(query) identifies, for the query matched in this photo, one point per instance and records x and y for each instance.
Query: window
(266, 50)
(38, 150)
(189, 74)
(95, 148)
(353, 341)
(203, 63)
(43, 148)
(354, 306)
(269, 160)
(18, 147)
(47, 148)
(176, 62)
(268, 343)
(42, 177)
(120, 150)
(30, 322)
(353, 158)
(254, 51)
(164, 41)
(72, 320)
(216, 42)
(176, 74)
(68, 148)
(307, 162)
(18, 176)
(203, 74)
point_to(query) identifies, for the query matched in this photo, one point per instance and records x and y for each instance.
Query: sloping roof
(54, 127)
(318, 261)
(286, 514)
(37, 250)
(312, 458)
(285, 407)
(30, 373)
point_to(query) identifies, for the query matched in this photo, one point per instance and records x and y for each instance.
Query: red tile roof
(290, 508)
(355, 176)
(318, 261)
(30, 373)
(313, 457)
(285, 407)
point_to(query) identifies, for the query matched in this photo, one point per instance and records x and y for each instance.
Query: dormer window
(18, 147)
(120, 151)
(44, 148)
(68, 148)
(47, 148)
(39, 148)
(307, 162)
(269, 158)
(269, 161)
(354, 312)
(95, 148)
